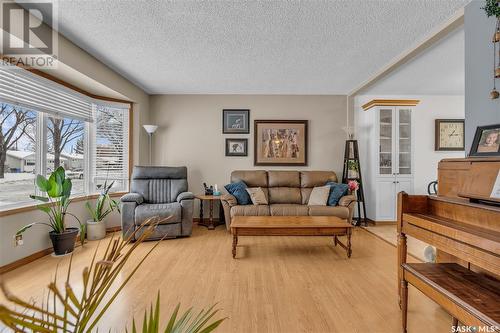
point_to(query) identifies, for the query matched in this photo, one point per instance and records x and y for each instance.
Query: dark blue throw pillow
(337, 191)
(239, 190)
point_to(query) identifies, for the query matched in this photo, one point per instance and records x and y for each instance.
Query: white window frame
(41, 164)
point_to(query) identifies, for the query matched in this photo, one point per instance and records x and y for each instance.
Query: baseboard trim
(37, 255)
(26, 260)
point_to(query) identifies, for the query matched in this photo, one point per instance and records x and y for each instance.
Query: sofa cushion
(288, 210)
(319, 196)
(316, 178)
(239, 191)
(283, 178)
(339, 211)
(305, 192)
(250, 210)
(257, 195)
(284, 195)
(253, 178)
(337, 191)
(146, 211)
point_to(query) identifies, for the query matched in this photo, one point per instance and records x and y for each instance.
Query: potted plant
(352, 169)
(57, 190)
(104, 205)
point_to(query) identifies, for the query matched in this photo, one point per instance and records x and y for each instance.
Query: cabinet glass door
(404, 137)
(386, 141)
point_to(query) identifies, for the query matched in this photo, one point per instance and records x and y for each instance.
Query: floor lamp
(150, 129)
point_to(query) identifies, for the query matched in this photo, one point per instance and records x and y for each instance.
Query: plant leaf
(66, 187)
(42, 183)
(55, 190)
(39, 198)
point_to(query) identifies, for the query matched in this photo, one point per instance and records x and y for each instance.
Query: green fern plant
(67, 311)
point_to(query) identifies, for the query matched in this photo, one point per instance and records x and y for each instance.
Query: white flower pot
(96, 230)
(352, 174)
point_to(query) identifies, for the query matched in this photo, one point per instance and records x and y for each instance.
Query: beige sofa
(287, 193)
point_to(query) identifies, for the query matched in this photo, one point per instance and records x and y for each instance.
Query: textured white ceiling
(250, 47)
(439, 70)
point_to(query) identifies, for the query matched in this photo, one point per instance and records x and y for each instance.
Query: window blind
(110, 145)
(21, 87)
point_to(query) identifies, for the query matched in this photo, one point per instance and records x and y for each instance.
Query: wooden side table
(211, 224)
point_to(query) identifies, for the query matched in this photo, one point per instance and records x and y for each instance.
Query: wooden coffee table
(292, 226)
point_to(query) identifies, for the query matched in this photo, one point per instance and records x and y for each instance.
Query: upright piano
(463, 222)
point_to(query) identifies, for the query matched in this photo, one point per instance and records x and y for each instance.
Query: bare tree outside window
(17, 127)
(62, 133)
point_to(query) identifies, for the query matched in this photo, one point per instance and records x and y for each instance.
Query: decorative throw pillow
(337, 191)
(238, 189)
(319, 196)
(257, 195)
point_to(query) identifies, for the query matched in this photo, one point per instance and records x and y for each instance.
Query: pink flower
(353, 185)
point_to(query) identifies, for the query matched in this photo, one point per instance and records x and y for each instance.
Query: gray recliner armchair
(158, 191)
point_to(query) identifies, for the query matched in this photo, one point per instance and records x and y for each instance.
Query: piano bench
(469, 297)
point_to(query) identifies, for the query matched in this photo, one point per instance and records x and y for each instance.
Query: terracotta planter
(96, 230)
(64, 243)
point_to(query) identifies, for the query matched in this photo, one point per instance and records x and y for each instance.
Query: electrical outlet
(19, 240)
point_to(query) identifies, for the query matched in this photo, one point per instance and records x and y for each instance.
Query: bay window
(44, 125)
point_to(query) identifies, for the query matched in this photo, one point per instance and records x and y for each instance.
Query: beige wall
(190, 132)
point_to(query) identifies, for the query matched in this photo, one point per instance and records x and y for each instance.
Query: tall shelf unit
(391, 150)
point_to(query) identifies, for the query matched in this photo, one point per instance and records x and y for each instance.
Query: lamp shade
(150, 128)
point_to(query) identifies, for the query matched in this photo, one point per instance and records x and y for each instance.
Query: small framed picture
(235, 121)
(236, 147)
(486, 141)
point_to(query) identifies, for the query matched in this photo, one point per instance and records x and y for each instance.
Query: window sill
(31, 207)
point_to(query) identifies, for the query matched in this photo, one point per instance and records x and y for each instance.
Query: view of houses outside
(65, 139)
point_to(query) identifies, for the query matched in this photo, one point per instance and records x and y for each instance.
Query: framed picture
(235, 121)
(236, 147)
(486, 141)
(450, 135)
(280, 142)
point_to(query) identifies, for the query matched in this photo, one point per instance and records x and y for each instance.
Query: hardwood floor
(276, 284)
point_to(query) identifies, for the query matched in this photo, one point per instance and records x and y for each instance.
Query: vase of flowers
(104, 205)
(56, 192)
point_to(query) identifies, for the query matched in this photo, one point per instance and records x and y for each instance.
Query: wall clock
(450, 134)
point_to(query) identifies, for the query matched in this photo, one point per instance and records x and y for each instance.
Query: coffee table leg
(235, 243)
(335, 240)
(349, 250)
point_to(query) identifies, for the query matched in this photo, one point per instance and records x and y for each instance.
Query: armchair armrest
(229, 199)
(346, 200)
(132, 197)
(185, 196)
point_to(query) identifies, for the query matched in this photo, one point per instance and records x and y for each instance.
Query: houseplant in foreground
(57, 190)
(81, 307)
(104, 205)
